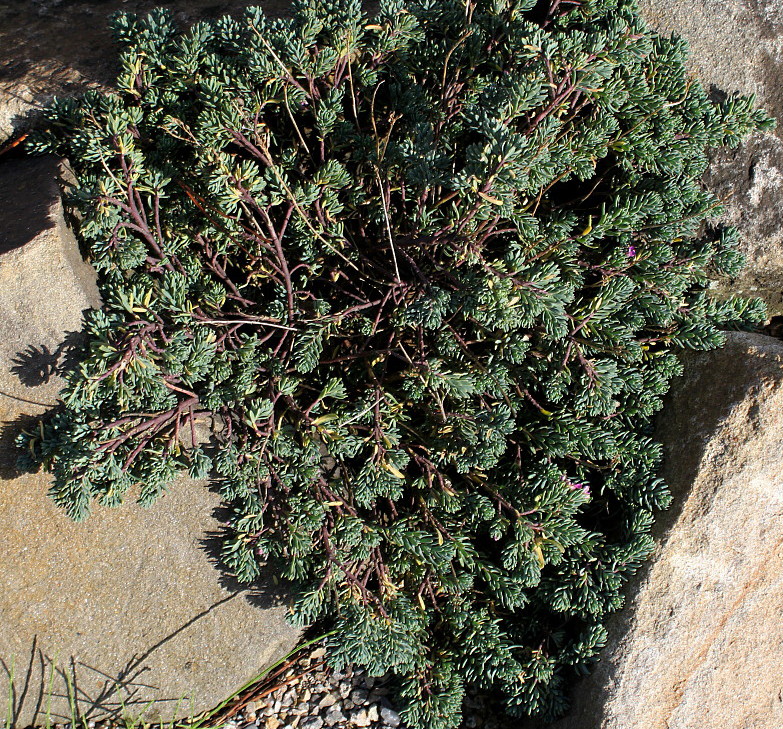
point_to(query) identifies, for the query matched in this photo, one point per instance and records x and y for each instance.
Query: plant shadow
(263, 593)
(9, 450)
(34, 367)
(45, 690)
(37, 364)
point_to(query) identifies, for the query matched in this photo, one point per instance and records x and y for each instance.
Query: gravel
(315, 697)
(312, 696)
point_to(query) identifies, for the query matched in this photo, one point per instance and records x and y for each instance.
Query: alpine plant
(424, 273)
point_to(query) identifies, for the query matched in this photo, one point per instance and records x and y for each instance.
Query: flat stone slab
(700, 643)
(129, 607)
(124, 609)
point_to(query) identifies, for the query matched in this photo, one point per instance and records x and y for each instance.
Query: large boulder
(129, 607)
(737, 46)
(700, 643)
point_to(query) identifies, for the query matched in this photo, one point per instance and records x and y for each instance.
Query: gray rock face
(44, 284)
(127, 607)
(700, 643)
(737, 46)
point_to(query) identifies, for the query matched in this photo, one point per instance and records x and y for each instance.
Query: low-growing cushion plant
(426, 271)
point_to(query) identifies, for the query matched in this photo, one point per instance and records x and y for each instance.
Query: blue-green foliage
(426, 274)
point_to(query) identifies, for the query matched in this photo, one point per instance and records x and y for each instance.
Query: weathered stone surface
(129, 606)
(51, 47)
(737, 46)
(44, 284)
(700, 643)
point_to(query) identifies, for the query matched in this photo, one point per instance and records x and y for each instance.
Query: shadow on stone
(262, 593)
(774, 327)
(18, 696)
(125, 693)
(716, 94)
(33, 367)
(26, 212)
(37, 364)
(129, 680)
(9, 451)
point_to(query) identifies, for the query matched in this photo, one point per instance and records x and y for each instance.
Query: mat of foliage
(426, 273)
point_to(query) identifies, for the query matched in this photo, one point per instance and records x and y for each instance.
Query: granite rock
(700, 641)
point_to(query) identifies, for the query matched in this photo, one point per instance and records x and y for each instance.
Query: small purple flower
(631, 251)
(579, 486)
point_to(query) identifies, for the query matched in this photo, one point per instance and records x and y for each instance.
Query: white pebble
(390, 716)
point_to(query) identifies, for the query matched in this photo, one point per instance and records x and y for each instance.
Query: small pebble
(359, 696)
(360, 718)
(334, 716)
(314, 722)
(390, 717)
(327, 701)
